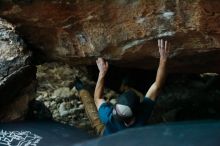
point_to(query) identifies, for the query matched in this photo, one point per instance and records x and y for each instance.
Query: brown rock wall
(123, 31)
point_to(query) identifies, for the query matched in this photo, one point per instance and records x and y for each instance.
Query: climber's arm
(98, 95)
(156, 87)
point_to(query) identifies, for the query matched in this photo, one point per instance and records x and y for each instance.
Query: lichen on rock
(16, 71)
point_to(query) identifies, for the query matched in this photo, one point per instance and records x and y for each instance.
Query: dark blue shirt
(113, 125)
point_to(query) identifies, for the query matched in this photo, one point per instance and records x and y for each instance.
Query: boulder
(123, 31)
(16, 72)
(17, 108)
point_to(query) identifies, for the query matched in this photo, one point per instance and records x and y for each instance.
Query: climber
(128, 110)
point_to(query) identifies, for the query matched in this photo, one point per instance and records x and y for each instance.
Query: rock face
(188, 97)
(123, 31)
(56, 91)
(15, 71)
(17, 109)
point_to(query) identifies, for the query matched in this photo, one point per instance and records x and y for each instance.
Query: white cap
(123, 110)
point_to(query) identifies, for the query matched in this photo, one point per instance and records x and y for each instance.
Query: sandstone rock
(65, 109)
(47, 104)
(17, 109)
(63, 92)
(81, 106)
(16, 72)
(62, 110)
(53, 103)
(122, 31)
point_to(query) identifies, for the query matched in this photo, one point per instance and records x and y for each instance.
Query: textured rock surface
(188, 97)
(17, 109)
(57, 92)
(15, 71)
(123, 31)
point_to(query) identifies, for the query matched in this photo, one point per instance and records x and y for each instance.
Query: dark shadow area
(137, 78)
(188, 97)
(183, 97)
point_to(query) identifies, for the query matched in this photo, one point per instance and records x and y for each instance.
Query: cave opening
(184, 96)
(139, 79)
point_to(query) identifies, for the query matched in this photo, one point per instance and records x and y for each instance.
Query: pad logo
(19, 138)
